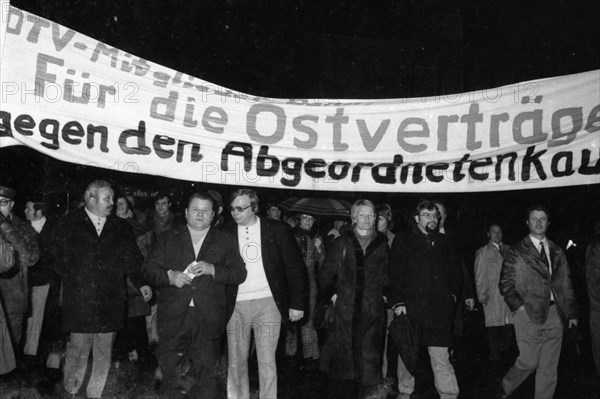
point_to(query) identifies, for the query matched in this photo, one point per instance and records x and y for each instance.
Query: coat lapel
(88, 225)
(187, 247)
(109, 225)
(265, 242)
(209, 241)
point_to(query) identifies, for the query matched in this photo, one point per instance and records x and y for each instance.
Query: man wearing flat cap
(18, 250)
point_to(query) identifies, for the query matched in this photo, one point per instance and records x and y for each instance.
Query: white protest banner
(4, 5)
(83, 101)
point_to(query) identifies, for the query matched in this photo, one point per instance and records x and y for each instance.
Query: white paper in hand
(188, 272)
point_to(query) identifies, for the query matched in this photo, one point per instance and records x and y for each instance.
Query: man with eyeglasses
(536, 285)
(273, 292)
(425, 281)
(192, 265)
(19, 250)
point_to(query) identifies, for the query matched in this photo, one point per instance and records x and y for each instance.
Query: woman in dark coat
(132, 340)
(354, 275)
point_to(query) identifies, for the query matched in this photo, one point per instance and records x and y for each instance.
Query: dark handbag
(407, 337)
(325, 310)
(324, 315)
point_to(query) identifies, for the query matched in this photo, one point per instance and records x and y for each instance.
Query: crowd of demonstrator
(110, 279)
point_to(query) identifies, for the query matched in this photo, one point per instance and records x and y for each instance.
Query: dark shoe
(310, 364)
(500, 393)
(452, 356)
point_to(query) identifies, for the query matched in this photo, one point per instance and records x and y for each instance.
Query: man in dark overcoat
(192, 305)
(355, 277)
(425, 282)
(94, 252)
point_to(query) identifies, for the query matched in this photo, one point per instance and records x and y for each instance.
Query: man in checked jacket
(536, 284)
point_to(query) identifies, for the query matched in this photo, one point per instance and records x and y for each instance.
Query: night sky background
(342, 49)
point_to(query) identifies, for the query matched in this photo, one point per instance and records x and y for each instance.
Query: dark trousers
(595, 337)
(188, 361)
(499, 340)
(133, 336)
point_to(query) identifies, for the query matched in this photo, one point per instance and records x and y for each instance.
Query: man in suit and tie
(192, 265)
(536, 284)
(273, 292)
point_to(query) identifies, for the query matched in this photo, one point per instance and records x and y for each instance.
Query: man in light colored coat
(488, 264)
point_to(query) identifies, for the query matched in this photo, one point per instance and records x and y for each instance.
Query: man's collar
(93, 216)
(536, 241)
(256, 223)
(38, 224)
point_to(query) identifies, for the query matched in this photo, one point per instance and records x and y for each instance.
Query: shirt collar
(94, 217)
(537, 242)
(38, 225)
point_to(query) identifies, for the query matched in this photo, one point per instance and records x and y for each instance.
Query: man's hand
(398, 310)
(470, 303)
(573, 322)
(201, 268)
(146, 292)
(296, 315)
(178, 279)
(484, 301)
(334, 298)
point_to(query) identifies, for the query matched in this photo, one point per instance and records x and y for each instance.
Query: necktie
(543, 254)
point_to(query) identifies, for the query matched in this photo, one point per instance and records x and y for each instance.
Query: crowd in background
(189, 282)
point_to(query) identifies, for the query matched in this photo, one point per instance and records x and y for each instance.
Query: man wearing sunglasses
(273, 292)
(18, 251)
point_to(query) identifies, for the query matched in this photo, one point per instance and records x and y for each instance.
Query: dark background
(341, 49)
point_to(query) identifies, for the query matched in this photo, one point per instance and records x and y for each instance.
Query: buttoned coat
(285, 271)
(42, 272)
(426, 277)
(354, 345)
(525, 280)
(488, 265)
(174, 251)
(93, 270)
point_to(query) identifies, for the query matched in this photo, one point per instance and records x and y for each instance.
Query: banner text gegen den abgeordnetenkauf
(83, 101)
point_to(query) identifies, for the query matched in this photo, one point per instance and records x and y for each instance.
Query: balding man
(94, 252)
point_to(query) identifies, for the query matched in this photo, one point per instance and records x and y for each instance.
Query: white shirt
(256, 285)
(97, 221)
(38, 225)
